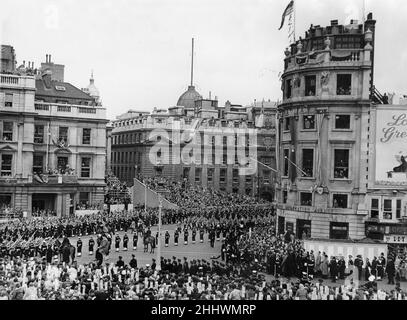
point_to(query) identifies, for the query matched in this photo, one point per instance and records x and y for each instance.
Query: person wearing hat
(201, 235)
(125, 241)
(117, 243)
(79, 247)
(120, 262)
(359, 265)
(176, 235)
(91, 245)
(186, 233)
(193, 235)
(167, 238)
(390, 270)
(133, 262)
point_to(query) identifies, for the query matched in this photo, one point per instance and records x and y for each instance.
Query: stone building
(53, 141)
(214, 137)
(325, 131)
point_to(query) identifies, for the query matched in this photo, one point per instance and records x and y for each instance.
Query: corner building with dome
(324, 132)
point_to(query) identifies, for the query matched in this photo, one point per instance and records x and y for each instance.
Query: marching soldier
(125, 242)
(167, 238)
(135, 240)
(212, 237)
(31, 249)
(193, 235)
(218, 230)
(91, 245)
(117, 243)
(44, 249)
(201, 235)
(185, 236)
(176, 235)
(79, 247)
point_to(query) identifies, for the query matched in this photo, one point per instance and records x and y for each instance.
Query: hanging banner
(391, 146)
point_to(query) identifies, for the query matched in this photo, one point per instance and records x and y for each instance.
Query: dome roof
(188, 98)
(92, 90)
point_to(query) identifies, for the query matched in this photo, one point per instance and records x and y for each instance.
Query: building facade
(198, 141)
(53, 142)
(325, 130)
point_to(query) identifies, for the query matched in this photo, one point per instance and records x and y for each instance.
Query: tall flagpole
(294, 9)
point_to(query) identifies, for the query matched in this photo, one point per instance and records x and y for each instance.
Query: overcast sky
(140, 50)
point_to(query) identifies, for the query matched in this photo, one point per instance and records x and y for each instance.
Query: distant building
(53, 142)
(214, 147)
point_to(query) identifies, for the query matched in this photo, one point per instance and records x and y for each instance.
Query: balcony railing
(11, 80)
(55, 109)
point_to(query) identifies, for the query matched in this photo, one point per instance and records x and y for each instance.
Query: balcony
(328, 58)
(53, 179)
(69, 110)
(15, 81)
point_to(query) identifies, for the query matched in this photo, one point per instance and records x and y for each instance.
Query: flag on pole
(288, 11)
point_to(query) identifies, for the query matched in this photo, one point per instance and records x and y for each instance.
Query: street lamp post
(158, 264)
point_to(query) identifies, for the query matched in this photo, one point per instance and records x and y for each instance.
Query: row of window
(39, 165)
(138, 137)
(389, 209)
(342, 122)
(343, 85)
(340, 163)
(337, 230)
(339, 200)
(7, 129)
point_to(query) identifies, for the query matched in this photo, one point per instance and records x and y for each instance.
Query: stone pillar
(58, 205)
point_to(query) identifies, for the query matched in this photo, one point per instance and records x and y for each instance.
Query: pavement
(190, 251)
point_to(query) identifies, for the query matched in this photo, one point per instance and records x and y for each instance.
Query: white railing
(10, 80)
(70, 110)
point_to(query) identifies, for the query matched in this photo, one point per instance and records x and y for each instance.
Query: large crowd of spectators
(117, 192)
(190, 196)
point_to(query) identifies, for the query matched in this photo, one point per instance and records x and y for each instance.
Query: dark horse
(67, 251)
(149, 240)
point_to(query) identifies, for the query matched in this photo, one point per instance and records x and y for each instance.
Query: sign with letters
(396, 239)
(391, 147)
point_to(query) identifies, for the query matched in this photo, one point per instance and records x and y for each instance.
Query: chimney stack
(49, 59)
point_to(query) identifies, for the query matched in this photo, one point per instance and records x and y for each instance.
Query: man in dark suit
(133, 262)
(390, 270)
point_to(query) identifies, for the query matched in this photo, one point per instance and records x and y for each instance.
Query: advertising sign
(391, 147)
(395, 239)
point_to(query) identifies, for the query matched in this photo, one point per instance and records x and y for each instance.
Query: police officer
(167, 238)
(117, 243)
(91, 245)
(135, 240)
(193, 235)
(176, 235)
(125, 241)
(79, 247)
(212, 238)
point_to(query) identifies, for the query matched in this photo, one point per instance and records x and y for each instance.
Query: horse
(149, 240)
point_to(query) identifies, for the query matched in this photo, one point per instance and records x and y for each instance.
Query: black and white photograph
(231, 152)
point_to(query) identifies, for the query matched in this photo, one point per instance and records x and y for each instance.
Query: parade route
(190, 251)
